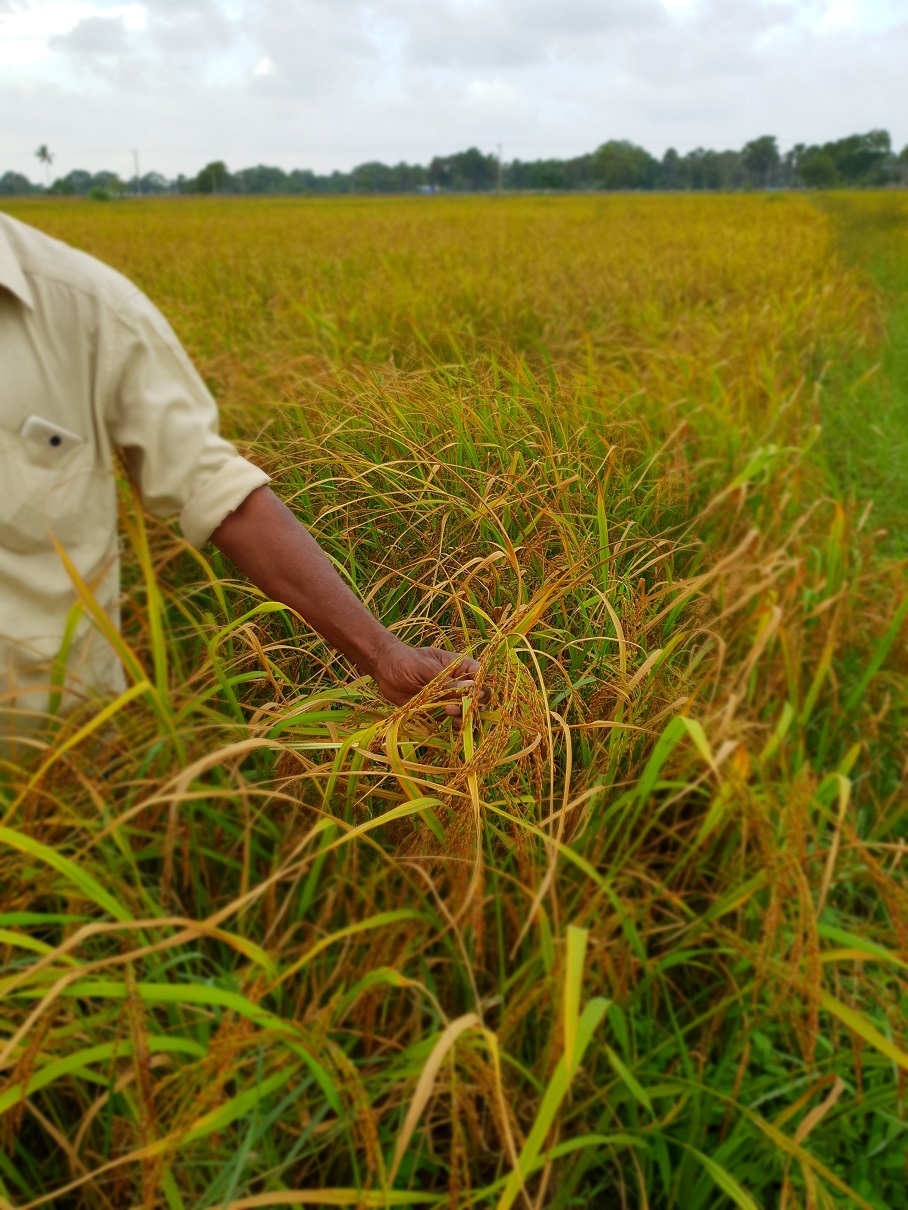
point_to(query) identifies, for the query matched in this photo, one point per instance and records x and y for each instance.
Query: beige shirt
(88, 367)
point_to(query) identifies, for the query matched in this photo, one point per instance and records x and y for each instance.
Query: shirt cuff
(221, 495)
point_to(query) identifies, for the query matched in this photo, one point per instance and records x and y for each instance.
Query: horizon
(897, 153)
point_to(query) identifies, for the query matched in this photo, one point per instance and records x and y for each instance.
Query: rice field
(635, 935)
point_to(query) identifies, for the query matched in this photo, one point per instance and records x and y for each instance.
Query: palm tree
(46, 158)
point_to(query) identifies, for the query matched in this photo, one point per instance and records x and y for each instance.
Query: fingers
(465, 689)
(461, 688)
(465, 670)
(455, 709)
(455, 679)
(456, 665)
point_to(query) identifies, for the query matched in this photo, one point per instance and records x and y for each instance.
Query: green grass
(865, 416)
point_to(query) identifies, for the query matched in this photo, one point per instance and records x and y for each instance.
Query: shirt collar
(11, 275)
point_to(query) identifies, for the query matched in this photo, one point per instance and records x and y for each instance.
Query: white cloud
(871, 15)
(498, 33)
(681, 7)
(26, 30)
(30, 33)
(135, 17)
(840, 14)
(92, 36)
(492, 96)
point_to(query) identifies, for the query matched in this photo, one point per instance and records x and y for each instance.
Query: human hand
(401, 671)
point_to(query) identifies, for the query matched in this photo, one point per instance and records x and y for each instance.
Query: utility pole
(135, 160)
(500, 172)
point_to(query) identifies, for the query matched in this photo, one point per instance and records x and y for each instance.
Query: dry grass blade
(425, 1086)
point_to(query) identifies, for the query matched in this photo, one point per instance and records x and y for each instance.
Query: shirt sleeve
(164, 420)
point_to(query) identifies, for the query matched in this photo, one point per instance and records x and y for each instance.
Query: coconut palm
(46, 158)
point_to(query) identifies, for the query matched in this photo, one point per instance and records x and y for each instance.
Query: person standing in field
(90, 368)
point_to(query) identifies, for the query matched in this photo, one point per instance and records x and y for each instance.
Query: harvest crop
(635, 935)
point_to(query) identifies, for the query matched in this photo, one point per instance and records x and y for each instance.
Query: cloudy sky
(331, 83)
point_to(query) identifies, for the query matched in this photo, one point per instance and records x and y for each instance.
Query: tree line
(860, 160)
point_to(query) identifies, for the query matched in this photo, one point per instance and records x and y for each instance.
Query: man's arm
(267, 543)
(164, 420)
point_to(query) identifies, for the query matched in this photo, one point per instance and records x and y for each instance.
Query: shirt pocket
(43, 497)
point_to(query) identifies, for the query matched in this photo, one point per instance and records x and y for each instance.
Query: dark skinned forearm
(267, 543)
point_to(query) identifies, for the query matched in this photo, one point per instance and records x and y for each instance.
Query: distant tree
(732, 170)
(761, 159)
(518, 174)
(336, 182)
(705, 169)
(468, 170)
(694, 175)
(14, 184)
(670, 170)
(76, 182)
(701, 169)
(110, 183)
(542, 174)
(301, 180)
(376, 177)
(817, 168)
(46, 158)
(860, 159)
(791, 164)
(154, 182)
(213, 178)
(439, 173)
(549, 174)
(304, 180)
(81, 180)
(261, 179)
(410, 176)
(578, 172)
(473, 171)
(619, 164)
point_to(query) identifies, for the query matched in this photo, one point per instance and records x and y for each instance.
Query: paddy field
(634, 936)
